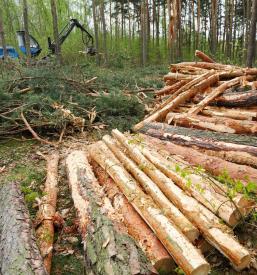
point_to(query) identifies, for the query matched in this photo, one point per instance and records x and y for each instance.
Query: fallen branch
(204, 57)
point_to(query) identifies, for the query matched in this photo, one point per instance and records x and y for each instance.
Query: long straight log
(187, 69)
(218, 124)
(136, 226)
(47, 209)
(204, 57)
(182, 251)
(204, 219)
(106, 250)
(178, 76)
(153, 190)
(171, 89)
(209, 66)
(181, 98)
(19, 253)
(216, 166)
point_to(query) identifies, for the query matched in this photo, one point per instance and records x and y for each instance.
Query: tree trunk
(252, 36)
(214, 165)
(135, 225)
(150, 188)
(2, 34)
(198, 23)
(46, 212)
(105, 248)
(102, 11)
(174, 241)
(56, 32)
(96, 32)
(144, 32)
(19, 251)
(201, 217)
(26, 30)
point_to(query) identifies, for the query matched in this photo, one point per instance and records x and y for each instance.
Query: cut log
(182, 251)
(214, 165)
(171, 89)
(153, 190)
(19, 253)
(204, 219)
(249, 73)
(204, 57)
(218, 124)
(47, 209)
(239, 99)
(216, 92)
(178, 76)
(181, 98)
(135, 225)
(226, 138)
(186, 69)
(106, 249)
(209, 66)
(206, 190)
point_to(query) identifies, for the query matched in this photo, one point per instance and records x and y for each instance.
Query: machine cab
(35, 49)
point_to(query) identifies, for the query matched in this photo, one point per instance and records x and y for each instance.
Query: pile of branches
(52, 99)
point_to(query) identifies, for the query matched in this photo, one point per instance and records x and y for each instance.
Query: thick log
(226, 138)
(106, 250)
(189, 230)
(209, 66)
(47, 209)
(204, 219)
(136, 226)
(171, 89)
(206, 190)
(181, 97)
(216, 92)
(204, 57)
(218, 124)
(239, 99)
(178, 76)
(187, 69)
(216, 166)
(182, 251)
(19, 253)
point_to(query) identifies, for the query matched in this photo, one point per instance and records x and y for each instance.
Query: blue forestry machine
(35, 48)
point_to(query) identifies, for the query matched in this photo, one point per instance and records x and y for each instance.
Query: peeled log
(106, 249)
(218, 124)
(46, 212)
(205, 220)
(180, 97)
(209, 66)
(189, 230)
(182, 251)
(19, 253)
(178, 76)
(214, 165)
(204, 57)
(135, 225)
(171, 89)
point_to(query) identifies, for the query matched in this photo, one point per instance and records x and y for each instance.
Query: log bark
(178, 77)
(214, 165)
(171, 89)
(187, 69)
(152, 190)
(182, 251)
(216, 92)
(106, 250)
(136, 226)
(245, 99)
(19, 253)
(47, 209)
(180, 96)
(204, 57)
(204, 219)
(210, 66)
(218, 124)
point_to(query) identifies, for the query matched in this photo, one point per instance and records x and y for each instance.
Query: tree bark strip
(182, 251)
(106, 250)
(204, 219)
(152, 190)
(135, 225)
(47, 209)
(19, 253)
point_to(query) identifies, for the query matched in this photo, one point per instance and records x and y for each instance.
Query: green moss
(61, 265)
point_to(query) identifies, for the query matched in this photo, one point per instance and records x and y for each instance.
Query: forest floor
(20, 162)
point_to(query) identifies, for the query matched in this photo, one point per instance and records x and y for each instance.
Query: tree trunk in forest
(136, 226)
(55, 31)
(198, 23)
(150, 188)
(174, 241)
(19, 251)
(96, 32)
(216, 166)
(251, 50)
(144, 32)
(47, 211)
(105, 248)
(26, 30)
(2, 34)
(102, 11)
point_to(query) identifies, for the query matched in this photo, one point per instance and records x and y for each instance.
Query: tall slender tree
(26, 30)
(2, 34)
